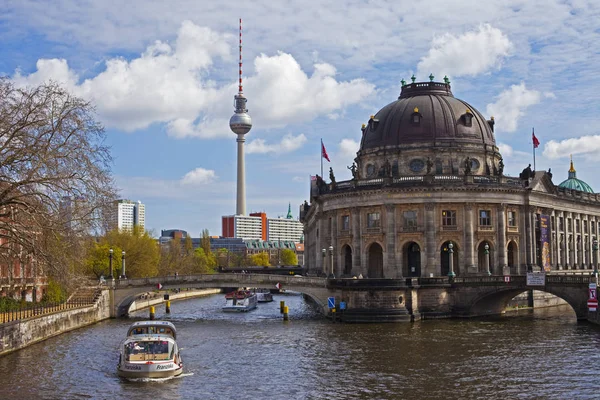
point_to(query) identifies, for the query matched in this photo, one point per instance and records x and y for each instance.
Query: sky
(162, 76)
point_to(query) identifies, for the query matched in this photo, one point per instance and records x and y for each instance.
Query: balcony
(486, 228)
(449, 227)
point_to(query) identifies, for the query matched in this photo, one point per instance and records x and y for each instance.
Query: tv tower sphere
(240, 122)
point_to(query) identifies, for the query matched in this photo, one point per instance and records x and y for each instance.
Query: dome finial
(403, 82)
(446, 80)
(431, 77)
(413, 78)
(572, 169)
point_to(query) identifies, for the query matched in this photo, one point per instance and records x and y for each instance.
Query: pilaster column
(430, 231)
(501, 238)
(356, 242)
(559, 250)
(469, 252)
(529, 232)
(392, 268)
(320, 242)
(534, 241)
(336, 250)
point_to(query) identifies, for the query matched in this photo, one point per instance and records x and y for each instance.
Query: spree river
(544, 354)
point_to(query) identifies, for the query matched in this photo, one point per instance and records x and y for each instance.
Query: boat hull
(129, 370)
(239, 308)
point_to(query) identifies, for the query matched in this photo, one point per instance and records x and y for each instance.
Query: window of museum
(577, 227)
(561, 223)
(345, 223)
(373, 220)
(552, 222)
(410, 221)
(569, 225)
(512, 219)
(449, 219)
(485, 219)
(585, 227)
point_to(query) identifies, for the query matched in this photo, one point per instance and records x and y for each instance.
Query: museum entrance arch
(347, 254)
(375, 269)
(412, 260)
(512, 261)
(445, 258)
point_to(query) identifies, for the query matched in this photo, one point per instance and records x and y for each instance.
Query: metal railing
(18, 312)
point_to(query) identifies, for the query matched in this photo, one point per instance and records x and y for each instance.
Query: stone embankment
(18, 334)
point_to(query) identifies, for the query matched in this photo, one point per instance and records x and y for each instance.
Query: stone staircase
(84, 296)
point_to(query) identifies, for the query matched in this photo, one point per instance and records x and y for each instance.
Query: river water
(541, 355)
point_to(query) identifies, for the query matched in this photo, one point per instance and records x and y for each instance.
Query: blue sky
(162, 76)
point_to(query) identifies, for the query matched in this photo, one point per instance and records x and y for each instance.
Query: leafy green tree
(288, 257)
(260, 259)
(55, 293)
(142, 252)
(98, 260)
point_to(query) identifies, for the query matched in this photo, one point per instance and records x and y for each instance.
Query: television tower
(240, 123)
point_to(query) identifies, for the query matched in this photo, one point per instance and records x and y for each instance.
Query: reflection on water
(540, 355)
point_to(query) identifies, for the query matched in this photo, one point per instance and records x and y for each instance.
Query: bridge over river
(370, 300)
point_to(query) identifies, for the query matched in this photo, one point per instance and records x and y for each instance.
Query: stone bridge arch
(124, 293)
(474, 302)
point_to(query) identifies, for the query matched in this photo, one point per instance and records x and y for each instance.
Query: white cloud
(511, 105)
(471, 53)
(581, 145)
(349, 147)
(199, 176)
(505, 150)
(171, 84)
(288, 144)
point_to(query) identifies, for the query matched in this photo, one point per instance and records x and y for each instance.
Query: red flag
(278, 285)
(536, 142)
(324, 152)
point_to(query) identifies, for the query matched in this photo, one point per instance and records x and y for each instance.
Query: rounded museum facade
(429, 198)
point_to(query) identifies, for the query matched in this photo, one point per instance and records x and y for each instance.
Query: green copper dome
(575, 184)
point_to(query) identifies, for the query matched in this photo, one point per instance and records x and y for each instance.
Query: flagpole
(321, 151)
(533, 144)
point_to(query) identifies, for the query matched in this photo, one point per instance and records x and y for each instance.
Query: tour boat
(240, 300)
(263, 295)
(150, 351)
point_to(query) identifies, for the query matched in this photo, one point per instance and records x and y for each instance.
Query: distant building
(242, 226)
(258, 226)
(284, 229)
(125, 214)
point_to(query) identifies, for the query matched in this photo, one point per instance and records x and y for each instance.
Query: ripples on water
(255, 355)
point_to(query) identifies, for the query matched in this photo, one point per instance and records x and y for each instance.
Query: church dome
(573, 183)
(426, 113)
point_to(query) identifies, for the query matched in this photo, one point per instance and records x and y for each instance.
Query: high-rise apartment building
(125, 214)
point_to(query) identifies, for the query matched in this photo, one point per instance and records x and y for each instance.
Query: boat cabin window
(149, 330)
(149, 350)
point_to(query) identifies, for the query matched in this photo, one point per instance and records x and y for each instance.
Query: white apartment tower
(126, 214)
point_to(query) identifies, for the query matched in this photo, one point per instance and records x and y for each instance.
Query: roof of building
(573, 183)
(427, 113)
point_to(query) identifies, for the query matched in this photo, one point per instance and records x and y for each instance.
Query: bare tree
(55, 177)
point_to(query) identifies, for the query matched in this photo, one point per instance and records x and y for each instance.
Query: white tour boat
(263, 295)
(150, 351)
(240, 300)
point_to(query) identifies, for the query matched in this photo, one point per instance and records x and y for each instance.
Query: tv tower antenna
(240, 124)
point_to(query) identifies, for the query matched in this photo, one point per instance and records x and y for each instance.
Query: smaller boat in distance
(263, 295)
(150, 351)
(240, 300)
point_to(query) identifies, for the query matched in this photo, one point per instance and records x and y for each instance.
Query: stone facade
(429, 198)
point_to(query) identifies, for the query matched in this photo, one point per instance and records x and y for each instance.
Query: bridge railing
(240, 279)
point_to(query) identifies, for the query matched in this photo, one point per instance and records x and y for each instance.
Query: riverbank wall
(158, 297)
(18, 334)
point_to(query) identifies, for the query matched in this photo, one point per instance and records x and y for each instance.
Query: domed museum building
(428, 185)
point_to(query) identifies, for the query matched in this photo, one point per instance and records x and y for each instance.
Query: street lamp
(332, 276)
(123, 276)
(487, 258)
(324, 252)
(451, 273)
(110, 270)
